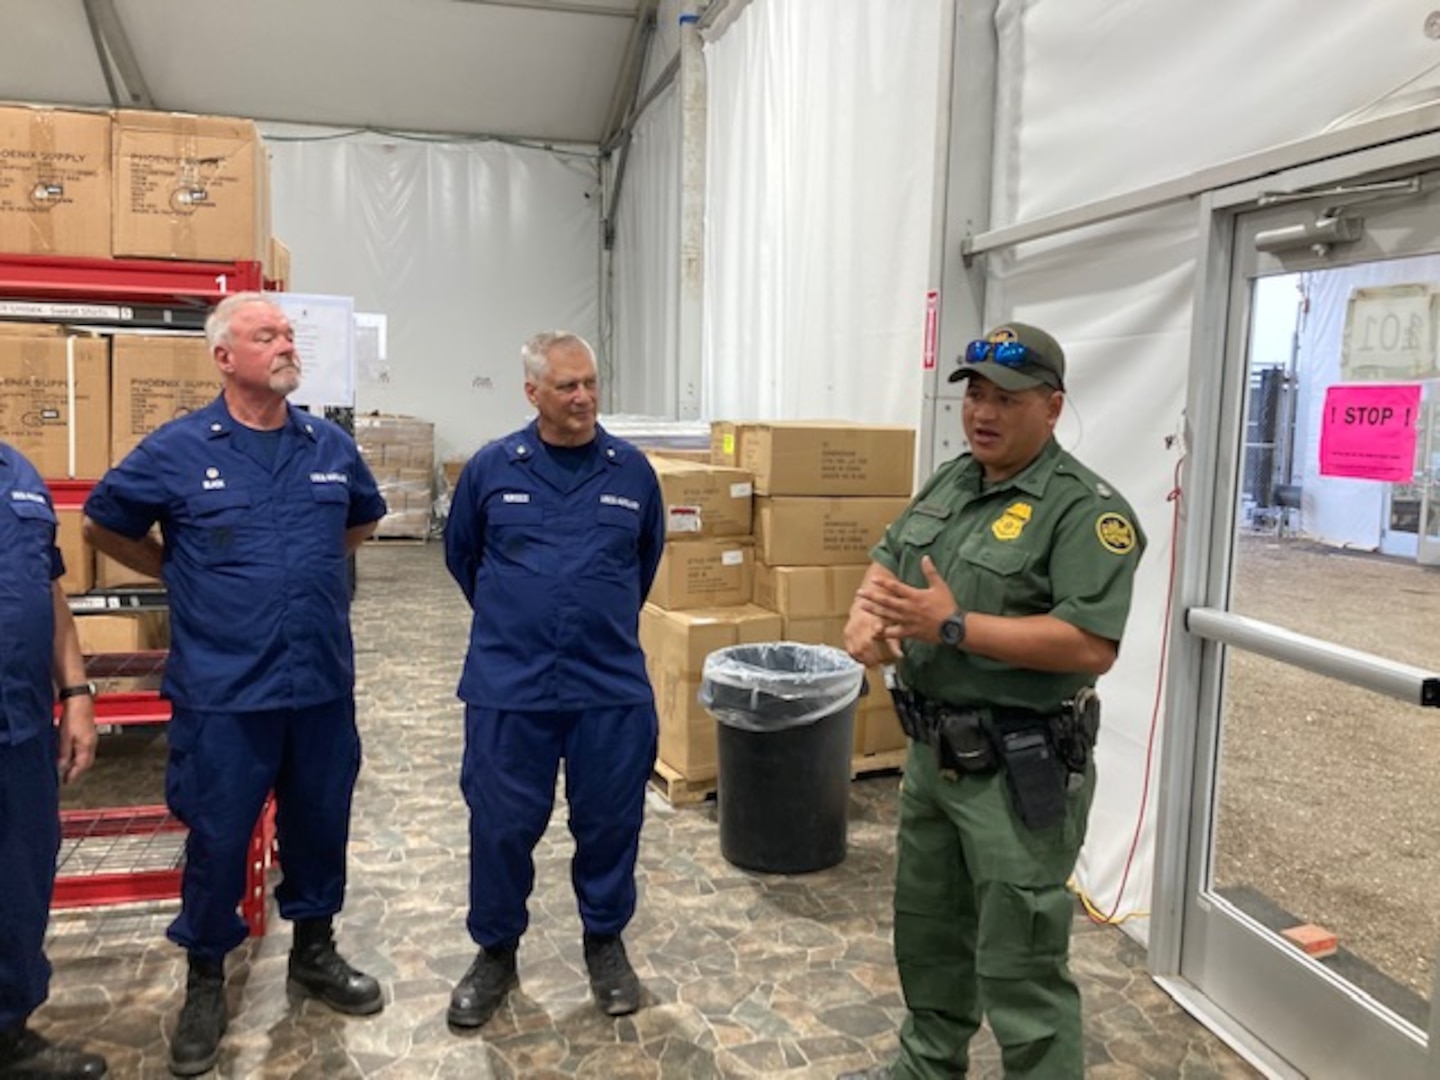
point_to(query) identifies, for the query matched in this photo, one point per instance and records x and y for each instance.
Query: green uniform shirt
(1053, 539)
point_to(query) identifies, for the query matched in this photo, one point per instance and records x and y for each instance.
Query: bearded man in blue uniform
(39, 652)
(260, 506)
(555, 534)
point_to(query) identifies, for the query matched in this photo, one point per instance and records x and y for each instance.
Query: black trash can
(785, 735)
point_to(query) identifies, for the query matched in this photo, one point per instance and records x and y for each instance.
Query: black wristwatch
(952, 630)
(85, 689)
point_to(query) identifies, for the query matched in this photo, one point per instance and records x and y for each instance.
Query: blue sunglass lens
(1006, 353)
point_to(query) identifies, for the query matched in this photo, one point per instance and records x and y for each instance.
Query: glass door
(1309, 920)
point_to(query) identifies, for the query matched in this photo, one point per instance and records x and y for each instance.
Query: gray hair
(217, 324)
(535, 353)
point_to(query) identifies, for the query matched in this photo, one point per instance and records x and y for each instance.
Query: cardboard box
(725, 442)
(277, 266)
(42, 404)
(704, 500)
(112, 574)
(821, 532)
(705, 573)
(878, 731)
(54, 182)
(189, 187)
(825, 458)
(128, 632)
(808, 591)
(79, 576)
(815, 629)
(676, 644)
(155, 378)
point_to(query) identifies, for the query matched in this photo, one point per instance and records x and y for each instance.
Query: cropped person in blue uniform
(554, 536)
(39, 653)
(260, 506)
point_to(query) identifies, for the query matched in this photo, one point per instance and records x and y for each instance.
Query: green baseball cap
(1014, 356)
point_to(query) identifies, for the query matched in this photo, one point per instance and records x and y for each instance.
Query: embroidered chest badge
(1010, 524)
(1116, 534)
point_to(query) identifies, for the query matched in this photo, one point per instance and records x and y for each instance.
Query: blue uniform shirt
(556, 565)
(29, 562)
(255, 561)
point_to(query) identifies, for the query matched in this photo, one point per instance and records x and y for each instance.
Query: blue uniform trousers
(221, 767)
(508, 779)
(29, 842)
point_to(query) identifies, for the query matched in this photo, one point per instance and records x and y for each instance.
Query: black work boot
(483, 987)
(317, 969)
(28, 1055)
(195, 1046)
(612, 979)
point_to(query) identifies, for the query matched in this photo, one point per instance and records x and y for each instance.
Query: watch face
(952, 630)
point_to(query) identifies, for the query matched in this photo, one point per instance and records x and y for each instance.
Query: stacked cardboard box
(153, 379)
(136, 184)
(825, 493)
(54, 182)
(700, 600)
(400, 451)
(55, 399)
(676, 644)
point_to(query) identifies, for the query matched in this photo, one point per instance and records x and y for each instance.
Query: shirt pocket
(32, 524)
(993, 579)
(223, 524)
(516, 535)
(617, 532)
(922, 529)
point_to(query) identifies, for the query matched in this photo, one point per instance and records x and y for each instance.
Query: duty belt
(1043, 755)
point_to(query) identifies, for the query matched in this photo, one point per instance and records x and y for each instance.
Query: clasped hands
(887, 611)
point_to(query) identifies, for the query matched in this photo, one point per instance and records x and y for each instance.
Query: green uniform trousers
(982, 926)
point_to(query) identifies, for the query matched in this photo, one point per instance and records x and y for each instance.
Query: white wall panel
(467, 247)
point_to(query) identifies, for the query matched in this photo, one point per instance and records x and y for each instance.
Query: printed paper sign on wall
(1368, 432)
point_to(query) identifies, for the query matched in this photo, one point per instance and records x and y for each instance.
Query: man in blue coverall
(260, 506)
(555, 534)
(39, 652)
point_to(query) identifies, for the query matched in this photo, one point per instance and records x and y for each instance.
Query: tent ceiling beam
(116, 57)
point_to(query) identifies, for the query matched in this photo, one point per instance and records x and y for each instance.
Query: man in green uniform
(1001, 594)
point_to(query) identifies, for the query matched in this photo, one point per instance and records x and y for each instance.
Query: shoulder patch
(1116, 534)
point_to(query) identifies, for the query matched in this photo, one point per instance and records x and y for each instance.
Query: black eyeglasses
(1009, 354)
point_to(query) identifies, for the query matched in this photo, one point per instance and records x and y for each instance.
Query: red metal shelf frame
(141, 281)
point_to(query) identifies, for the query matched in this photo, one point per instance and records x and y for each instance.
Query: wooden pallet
(882, 762)
(680, 790)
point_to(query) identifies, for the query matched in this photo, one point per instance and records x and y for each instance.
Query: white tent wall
(1098, 99)
(821, 171)
(467, 247)
(1335, 509)
(645, 268)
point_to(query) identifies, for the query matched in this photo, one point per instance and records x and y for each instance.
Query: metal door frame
(1186, 922)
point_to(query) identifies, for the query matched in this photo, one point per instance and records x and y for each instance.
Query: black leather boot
(26, 1055)
(612, 979)
(317, 969)
(483, 987)
(195, 1046)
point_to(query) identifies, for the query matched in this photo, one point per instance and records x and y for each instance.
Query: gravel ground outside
(1328, 804)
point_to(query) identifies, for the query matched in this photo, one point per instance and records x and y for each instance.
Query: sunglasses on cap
(1009, 354)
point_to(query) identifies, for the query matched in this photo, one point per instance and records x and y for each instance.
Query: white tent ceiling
(554, 70)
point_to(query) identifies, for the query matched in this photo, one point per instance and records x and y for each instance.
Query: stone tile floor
(746, 975)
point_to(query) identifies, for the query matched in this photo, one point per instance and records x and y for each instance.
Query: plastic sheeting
(467, 247)
(821, 163)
